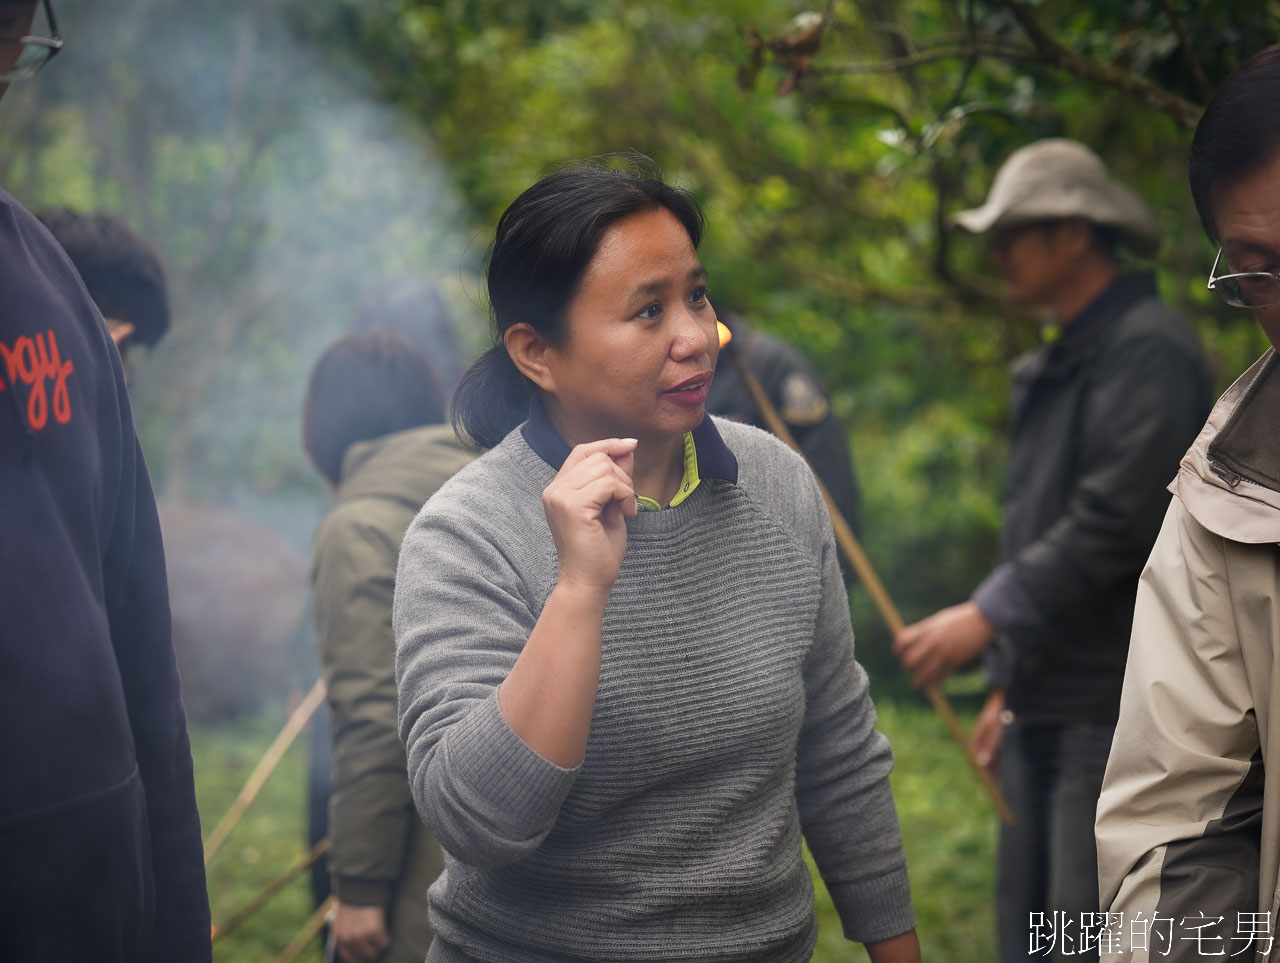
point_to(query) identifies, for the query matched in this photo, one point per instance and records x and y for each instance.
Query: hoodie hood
(1229, 480)
(406, 466)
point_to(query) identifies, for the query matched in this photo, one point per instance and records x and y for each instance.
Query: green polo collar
(687, 484)
(705, 453)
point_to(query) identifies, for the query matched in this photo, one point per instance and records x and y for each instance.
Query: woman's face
(1246, 212)
(640, 344)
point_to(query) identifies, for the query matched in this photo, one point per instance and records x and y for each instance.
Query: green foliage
(826, 206)
(278, 192)
(287, 157)
(949, 830)
(270, 838)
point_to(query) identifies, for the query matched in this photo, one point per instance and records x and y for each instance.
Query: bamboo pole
(270, 890)
(308, 932)
(266, 765)
(853, 551)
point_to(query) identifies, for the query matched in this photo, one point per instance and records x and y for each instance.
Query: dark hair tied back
(542, 247)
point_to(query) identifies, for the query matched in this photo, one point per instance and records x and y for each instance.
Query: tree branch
(1188, 52)
(1054, 54)
(981, 47)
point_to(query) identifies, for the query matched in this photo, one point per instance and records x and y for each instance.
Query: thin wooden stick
(853, 551)
(270, 890)
(308, 932)
(266, 765)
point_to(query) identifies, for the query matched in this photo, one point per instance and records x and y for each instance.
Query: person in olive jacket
(372, 426)
(1102, 412)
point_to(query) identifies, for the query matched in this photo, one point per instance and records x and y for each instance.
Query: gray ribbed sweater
(730, 717)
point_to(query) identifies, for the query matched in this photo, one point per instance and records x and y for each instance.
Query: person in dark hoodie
(373, 427)
(100, 853)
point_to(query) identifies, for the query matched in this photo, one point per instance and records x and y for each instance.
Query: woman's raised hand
(585, 505)
(550, 693)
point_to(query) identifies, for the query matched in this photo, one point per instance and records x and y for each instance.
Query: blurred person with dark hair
(1188, 825)
(123, 273)
(100, 851)
(416, 311)
(373, 426)
(1101, 413)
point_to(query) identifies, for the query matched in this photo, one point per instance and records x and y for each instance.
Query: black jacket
(100, 853)
(795, 390)
(1101, 418)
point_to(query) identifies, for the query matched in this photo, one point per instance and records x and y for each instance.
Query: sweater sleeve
(842, 773)
(353, 572)
(462, 614)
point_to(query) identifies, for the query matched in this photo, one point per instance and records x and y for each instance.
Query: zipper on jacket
(1232, 479)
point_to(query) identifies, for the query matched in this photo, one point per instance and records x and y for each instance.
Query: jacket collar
(398, 465)
(1081, 337)
(1115, 300)
(715, 460)
(1229, 480)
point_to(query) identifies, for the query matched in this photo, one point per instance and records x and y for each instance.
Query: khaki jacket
(381, 853)
(1187, 825)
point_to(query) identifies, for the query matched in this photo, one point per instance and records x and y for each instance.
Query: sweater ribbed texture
(730, 716)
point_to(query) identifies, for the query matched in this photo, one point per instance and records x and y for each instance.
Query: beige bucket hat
(1059, 178)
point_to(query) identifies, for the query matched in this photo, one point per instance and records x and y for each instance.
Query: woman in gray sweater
(624, 658)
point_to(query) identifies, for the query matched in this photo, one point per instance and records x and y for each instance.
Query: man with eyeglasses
(1189, 820)
(22, 54)
(100, 852)
(1101, 414)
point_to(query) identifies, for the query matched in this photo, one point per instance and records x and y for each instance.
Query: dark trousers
(1051, 776)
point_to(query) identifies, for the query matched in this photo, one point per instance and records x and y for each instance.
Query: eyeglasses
(1001, 240)
(33, 53)
(1250, 289)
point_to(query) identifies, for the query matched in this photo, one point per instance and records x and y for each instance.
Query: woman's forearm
(550, 693)
(898, 949)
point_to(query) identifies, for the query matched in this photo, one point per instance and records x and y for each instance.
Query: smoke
(279, 193)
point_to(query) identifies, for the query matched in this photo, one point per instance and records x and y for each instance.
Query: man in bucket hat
(1102, 412)
(1057, 180)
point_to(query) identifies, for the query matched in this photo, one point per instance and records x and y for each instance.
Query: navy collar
(715, 460)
